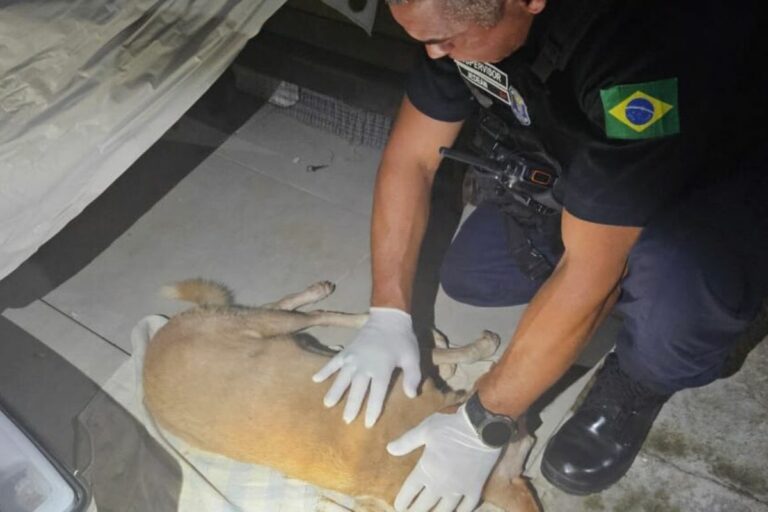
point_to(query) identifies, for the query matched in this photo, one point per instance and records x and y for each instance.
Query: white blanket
(86, 86)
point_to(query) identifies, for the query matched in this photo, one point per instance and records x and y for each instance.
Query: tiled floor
(224, 222)
(253, 216)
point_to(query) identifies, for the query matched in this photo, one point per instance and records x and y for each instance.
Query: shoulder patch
(641, 111)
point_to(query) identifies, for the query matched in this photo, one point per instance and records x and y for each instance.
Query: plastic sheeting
(87, 86)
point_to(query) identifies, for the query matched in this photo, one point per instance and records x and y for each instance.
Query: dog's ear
(309, 343)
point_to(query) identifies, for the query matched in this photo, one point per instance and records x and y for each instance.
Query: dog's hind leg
(336, 319)
(263, 323)
(314, 293)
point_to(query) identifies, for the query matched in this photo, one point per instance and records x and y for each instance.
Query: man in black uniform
(633, 119)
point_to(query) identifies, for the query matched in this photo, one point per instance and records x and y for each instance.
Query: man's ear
(534, 6)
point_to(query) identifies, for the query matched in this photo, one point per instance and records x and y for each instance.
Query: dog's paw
(322, 289)
(488, 344)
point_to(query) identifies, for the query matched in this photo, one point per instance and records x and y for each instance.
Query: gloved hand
(455, 464)
(384, 343)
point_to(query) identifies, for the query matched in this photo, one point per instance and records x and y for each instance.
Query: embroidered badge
(641, 111)
(495, 82)
(487, 77)
(519, 108)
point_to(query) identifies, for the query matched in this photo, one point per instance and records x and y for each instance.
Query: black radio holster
(521, 185)
(529, 202)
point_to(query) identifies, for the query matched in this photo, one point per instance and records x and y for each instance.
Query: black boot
(598, 444)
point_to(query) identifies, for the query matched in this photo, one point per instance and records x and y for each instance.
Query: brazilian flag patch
(641, 111)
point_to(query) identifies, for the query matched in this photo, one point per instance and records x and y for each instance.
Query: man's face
(462, 40)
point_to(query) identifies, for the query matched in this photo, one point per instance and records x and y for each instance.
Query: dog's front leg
(480, 349)
(263, 323)
(506, 488)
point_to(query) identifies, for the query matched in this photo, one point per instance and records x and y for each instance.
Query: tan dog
(232, 380)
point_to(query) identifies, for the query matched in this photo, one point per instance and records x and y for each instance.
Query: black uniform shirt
(647, 92)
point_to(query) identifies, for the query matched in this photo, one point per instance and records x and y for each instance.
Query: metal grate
(358, 126)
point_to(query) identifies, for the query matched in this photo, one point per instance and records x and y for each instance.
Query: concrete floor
(251, 215)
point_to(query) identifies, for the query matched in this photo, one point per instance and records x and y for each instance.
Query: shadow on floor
(152, 176)
(756, 333)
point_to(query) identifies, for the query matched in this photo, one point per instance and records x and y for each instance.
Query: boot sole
(569, 486)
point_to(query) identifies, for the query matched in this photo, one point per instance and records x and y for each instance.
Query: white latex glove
(384, 343)
(455, 464)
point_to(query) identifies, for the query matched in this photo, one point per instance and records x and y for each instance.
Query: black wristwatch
(495, 430)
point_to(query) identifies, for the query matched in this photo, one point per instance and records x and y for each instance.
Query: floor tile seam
(83, 326)
(248, 168)
(708, 478)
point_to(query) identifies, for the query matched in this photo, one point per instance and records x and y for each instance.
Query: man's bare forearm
(401, 202)
(557, 323)
(551, 335)
(400, 214)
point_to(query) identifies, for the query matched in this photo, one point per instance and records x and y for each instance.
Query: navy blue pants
(696, 278)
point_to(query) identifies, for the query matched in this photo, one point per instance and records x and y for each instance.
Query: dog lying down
(234, 380)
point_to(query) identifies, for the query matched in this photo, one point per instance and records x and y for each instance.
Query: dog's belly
(254, 401)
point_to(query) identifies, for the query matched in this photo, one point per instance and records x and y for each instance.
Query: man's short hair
(483, 12)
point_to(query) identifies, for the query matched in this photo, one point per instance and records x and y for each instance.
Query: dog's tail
(200, 291)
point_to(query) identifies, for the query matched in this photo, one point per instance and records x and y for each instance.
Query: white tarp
(86, 86)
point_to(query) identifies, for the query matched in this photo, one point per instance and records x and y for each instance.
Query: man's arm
(401, 202)
(400, 211)
(558, 321)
